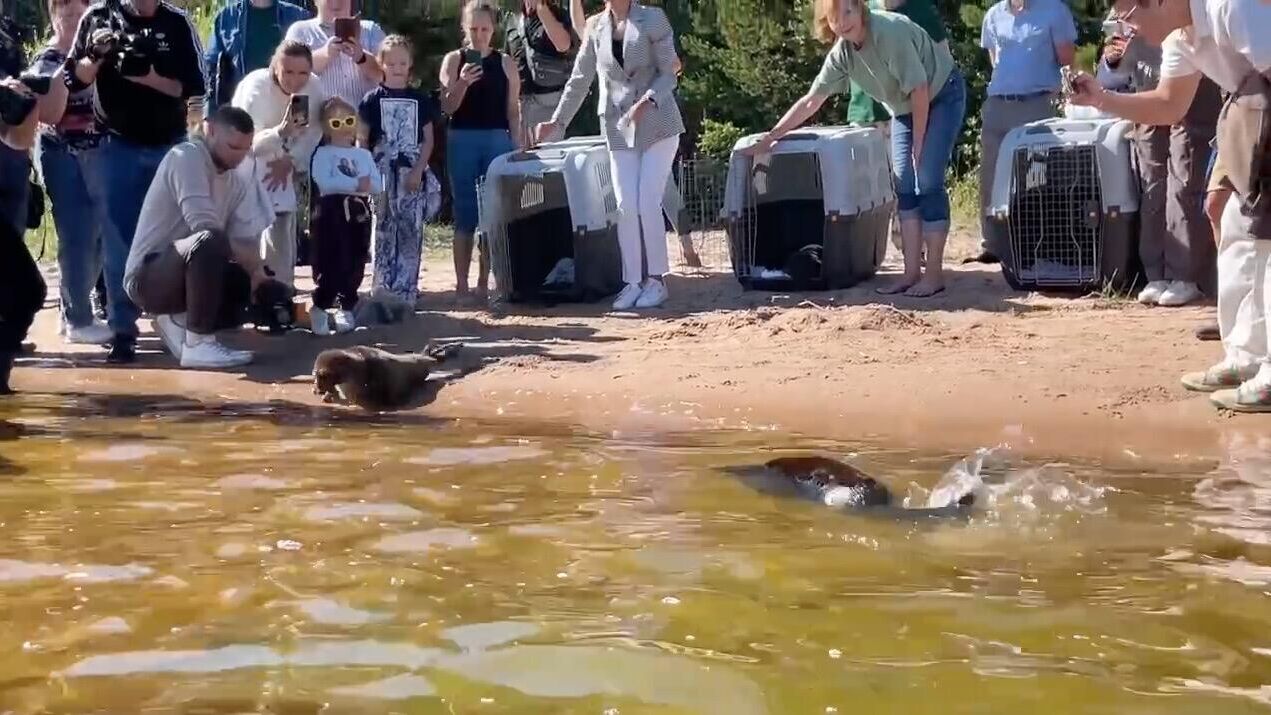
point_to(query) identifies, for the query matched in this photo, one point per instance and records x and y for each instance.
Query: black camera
(103, 44)
(272, 307)
(137, 52)
(14, 106)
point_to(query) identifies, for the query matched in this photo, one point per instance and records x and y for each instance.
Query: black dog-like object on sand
(375, 379)
(839, 486)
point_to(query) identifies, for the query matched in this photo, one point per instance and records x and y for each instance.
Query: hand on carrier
(763, 146)
(1086, 91)
(544, 130)
(364, 185)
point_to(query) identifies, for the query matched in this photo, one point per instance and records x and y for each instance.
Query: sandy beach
(976, 366)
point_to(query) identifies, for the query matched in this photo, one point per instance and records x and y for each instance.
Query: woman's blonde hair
(825, 9)
(470, 9)
(291, 48)
(393, 42)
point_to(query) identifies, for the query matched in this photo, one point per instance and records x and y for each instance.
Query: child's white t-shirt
(336, 170)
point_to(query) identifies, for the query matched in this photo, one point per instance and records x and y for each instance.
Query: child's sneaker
(320, 321)
(345, 322)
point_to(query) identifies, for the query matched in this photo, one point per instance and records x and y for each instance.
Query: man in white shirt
(346, 69)
(200, 227)
(1227, 41)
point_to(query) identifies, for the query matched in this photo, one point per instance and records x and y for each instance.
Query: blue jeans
(123, 172)
(78, 215)
(921, 191)
(15, 186)
(468, 155)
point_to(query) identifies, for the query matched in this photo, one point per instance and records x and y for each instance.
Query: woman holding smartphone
(283, 100)
(481, 91)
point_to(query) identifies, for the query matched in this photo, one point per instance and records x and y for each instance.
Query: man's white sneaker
(95, 333)
(205, 351)
(171, 330)
(626, 300)
(345, 321)
(320, 321)
(1151, 293)
(653, 295)
(1179, 293)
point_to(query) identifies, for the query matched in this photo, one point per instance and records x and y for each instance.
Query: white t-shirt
(189, 194)
(1228, 40)
(342, 77)
(337, 170)
(265, 101)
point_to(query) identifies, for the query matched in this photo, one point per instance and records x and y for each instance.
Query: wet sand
(978, 365)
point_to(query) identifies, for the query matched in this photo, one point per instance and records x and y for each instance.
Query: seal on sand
(375, 379)
(837, 485)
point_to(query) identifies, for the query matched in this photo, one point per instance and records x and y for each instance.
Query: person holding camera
(22, 288)
(144, 59)
(198, 234)
(283, 100)
(344, 50)
(68, 140)
(543, 39)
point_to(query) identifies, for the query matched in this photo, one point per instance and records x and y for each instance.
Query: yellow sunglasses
(337, 123)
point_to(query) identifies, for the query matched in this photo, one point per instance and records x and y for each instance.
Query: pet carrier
(1065, 203)
(813, 214)
(550, 217)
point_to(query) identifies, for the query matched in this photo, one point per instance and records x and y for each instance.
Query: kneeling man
(197, 239)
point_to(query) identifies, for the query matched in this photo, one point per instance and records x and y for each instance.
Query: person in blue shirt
(1027, 41)
(244, 35)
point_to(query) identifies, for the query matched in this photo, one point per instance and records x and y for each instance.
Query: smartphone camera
(300, 109)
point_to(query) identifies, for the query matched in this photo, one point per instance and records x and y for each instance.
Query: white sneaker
(1151, 294)
(653, 295)
(320, 321)
(171, 330)
(95, 333)
(205, 351)
(345, 321)
(626, 300)
(1179, 293)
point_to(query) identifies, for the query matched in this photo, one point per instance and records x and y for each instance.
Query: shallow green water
(267, 560)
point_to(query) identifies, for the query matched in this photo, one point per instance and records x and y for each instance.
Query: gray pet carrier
(550, 217)
(813, 214)
(1065, 204)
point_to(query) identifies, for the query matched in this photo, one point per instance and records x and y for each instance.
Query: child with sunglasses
(344, 176)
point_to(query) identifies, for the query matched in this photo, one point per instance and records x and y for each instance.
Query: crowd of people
(180, 176)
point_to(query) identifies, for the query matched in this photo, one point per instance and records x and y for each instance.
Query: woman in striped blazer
(632, 49)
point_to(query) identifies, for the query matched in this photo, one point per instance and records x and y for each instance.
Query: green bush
(718, 139)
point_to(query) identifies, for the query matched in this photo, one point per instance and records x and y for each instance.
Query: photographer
(543, 38)
(345, 64)
(198, 243)
(144, 58)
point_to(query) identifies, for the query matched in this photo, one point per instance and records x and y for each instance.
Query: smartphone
(1065, 82)
(472, 57)
(300, 109)
(348, 28)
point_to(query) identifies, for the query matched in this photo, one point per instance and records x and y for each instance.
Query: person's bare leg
(483, 268)
(463, 262)
(933, 281)
(911, 248)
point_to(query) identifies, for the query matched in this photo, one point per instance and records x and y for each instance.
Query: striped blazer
(647, 70)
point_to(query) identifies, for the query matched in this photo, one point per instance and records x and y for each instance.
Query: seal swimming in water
(375, 379)
(838, 485)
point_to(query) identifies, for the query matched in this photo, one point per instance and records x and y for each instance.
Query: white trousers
(278, 247)
(1244, 291)
(639, 178)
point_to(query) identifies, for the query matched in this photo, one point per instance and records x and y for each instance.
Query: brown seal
(375, 379)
